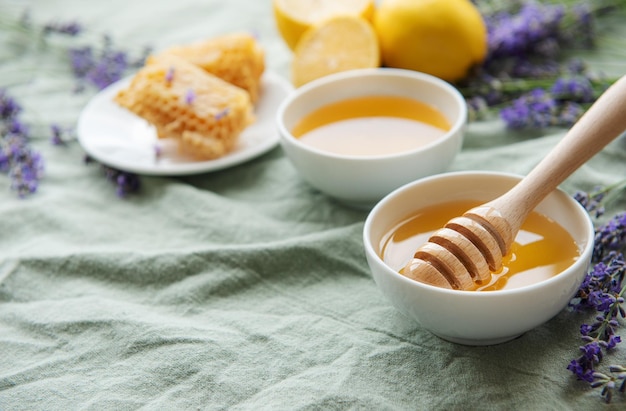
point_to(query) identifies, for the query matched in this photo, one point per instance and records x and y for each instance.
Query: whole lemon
(439, 37)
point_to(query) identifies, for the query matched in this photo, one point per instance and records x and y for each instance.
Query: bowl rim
(456, 128)
(585, 253)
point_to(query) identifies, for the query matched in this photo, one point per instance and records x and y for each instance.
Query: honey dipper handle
(604, 121)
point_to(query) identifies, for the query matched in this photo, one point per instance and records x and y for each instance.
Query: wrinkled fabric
(239, 289)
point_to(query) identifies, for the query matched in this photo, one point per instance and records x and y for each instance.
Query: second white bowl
(363, 180)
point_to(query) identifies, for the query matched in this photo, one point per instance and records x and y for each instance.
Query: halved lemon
(294, 17)
(338, 44)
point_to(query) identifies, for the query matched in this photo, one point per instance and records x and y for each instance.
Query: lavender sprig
(608, 383)
(125, 183)
(527, 48)
(561, 105)
(104, 66)
(535, 109)
(98, 66)
(23, 165)
(70, 28)
(533, 28)
(595, 201)
(602, 291)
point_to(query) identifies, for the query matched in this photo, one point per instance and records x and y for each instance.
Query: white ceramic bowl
(474, 317)
(362, 181)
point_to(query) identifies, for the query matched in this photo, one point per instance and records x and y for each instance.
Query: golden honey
(372, 125)
(541, 249)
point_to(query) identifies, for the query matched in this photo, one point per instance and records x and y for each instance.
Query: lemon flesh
(294, 17)
(337, 44)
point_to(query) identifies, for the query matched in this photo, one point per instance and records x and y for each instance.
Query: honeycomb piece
(203, 112)
(236, 58)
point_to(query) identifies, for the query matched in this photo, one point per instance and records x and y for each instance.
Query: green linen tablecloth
(239, 289)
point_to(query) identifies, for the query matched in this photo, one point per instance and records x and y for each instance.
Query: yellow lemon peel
(444, 38)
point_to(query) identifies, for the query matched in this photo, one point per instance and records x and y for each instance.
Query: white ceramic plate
(116, 137)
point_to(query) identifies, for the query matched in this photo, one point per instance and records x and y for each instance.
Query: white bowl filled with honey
(545, 267)
(360, 134)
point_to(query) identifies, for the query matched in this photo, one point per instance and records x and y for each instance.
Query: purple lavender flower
(525, 42)
(569, 113)
(23, 165)
(577, 369)
(518, 34)
(585, 329)
(169, 76)
(57, 135)
(592, 202)
(5, 161)
(575, 89)
(109, 69)
(600, 273)
(609, 383)
(100, 69)
(125, 183)
(9, 108)
(592, 353)
(602, 290)
(613, 341)
(190, 96)
(82, 60)
(538, 29)
(26, 172)
(16, 127)
(68, 28)
(583, 366)
(601, 301)
(98, 66)
(610, 236)
(222, 114)
(536, 109)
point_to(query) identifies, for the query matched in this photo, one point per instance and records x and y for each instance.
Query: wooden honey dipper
(464, 253)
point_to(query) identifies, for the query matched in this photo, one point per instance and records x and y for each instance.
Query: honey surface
(372, 125)
(541, 250)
